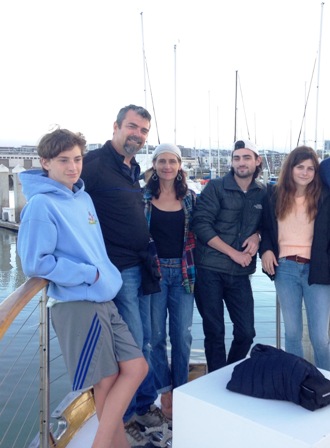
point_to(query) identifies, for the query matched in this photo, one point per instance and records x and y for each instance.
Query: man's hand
(242, 258)
(251, 244)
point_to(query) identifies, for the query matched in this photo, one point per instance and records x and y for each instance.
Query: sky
(76, 63)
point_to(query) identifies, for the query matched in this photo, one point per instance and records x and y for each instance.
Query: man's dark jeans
(213, 289)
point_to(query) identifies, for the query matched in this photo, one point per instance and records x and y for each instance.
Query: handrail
(16, 301)
(44, 371)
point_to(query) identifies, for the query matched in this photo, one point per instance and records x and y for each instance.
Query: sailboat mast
(318, 82)
(144, 83)
(235, 107)
(175, 94)
(144, 64)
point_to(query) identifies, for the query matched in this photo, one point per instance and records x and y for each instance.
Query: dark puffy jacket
(224, 210)
(273, 373)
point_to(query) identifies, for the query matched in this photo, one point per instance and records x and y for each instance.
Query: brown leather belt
(298, 259)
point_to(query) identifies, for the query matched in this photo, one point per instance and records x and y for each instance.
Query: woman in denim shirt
(168, 208)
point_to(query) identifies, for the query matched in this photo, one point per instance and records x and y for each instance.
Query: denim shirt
(189, 241)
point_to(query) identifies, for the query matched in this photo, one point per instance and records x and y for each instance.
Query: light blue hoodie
(60, 239)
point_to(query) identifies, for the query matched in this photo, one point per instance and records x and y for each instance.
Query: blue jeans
(179, 305)
(213, 289)
(135, 310)
(291, 282)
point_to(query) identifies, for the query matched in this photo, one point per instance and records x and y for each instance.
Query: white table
(207, 415)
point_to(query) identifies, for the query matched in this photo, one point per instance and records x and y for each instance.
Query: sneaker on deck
(136, 438)
(153, 418)
(161, 436)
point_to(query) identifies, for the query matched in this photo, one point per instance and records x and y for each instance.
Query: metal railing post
(44, 371)
(278, 323)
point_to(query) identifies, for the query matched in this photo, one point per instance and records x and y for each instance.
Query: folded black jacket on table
(274, 374)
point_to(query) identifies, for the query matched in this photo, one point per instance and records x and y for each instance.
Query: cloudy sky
(76, 63)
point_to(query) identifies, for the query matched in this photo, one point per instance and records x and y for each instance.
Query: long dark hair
(286, 188)
(180, 186)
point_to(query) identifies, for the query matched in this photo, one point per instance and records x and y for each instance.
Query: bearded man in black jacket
(111, 175)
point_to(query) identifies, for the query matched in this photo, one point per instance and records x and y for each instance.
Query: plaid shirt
(189, 241)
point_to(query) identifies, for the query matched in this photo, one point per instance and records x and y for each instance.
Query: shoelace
(134, 431)
(164, 435)
(159, 414)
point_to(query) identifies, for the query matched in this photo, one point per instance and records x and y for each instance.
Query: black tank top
(167, 230)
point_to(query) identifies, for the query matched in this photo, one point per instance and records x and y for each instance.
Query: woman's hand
(268, 261)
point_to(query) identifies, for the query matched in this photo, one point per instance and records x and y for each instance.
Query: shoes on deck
(156, 426)
(160, 436)
(136, 437)
(153, 417)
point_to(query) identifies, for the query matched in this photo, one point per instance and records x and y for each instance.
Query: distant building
(198, 162)
(272, 160)
(92, 146)
(326, 148)
(28, 148)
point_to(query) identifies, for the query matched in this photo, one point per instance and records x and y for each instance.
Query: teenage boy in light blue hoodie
(60, 240)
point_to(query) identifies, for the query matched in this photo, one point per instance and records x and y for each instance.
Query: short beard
(132, 149)
(243, 176)
(239, 175)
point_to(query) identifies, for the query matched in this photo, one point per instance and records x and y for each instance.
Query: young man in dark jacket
(227, 223)
(111, 175)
